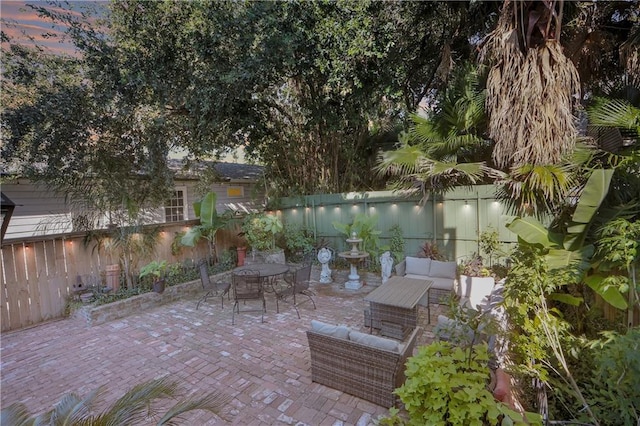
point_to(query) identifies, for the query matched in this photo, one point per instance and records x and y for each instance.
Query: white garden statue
(386, 262)
(324, 256)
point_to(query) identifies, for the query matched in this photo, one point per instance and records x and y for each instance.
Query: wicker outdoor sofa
(360, 369)
(443, 276)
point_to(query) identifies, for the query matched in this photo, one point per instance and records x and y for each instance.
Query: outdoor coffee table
(394, 305)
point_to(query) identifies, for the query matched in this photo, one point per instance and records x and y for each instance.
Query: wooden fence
(38, 274)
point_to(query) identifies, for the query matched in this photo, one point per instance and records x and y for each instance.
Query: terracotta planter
(242, 253)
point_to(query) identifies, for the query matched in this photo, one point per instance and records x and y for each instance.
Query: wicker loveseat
(342, 362)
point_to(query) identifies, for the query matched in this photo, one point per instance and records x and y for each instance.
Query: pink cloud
(25, 27)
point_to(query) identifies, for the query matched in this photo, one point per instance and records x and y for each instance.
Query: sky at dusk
(25, 27)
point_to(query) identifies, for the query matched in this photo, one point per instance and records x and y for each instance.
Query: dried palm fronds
(630, 54)
(530, 97)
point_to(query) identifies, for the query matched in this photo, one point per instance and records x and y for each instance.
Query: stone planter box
(255, 256)
(93, 315)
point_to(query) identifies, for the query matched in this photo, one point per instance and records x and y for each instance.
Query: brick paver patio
(264, 367)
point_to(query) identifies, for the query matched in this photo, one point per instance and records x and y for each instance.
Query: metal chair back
(247, 285)
(211, 289)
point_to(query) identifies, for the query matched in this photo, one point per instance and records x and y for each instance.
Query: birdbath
(354, 256)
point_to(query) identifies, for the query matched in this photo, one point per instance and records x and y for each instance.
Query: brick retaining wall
(94, 315)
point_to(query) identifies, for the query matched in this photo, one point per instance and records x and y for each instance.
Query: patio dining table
(268, 271)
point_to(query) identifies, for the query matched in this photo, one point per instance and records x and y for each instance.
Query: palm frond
(399, 162)
(71, 408)
(537, 189)
(439, 176)
(423, 130)
(455, 143)
(135, 407)
(16, 414)
(615, 113)
(213, 402)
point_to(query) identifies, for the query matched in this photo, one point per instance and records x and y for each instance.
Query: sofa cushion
(339, 331)
(373, 341)
(442, 283)
(443, 269)
(418, 265)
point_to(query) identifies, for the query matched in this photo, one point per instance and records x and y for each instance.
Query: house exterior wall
(40, 211)
(235, 195)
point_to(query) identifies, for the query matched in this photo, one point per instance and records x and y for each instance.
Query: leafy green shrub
(447, 385)
(178, 273)
(396, 243)
(296, 240)
(227, 260)
(365, 227)
(614, 390)
(155, 268)
(123, 293)
(261, 230)
(442, 388)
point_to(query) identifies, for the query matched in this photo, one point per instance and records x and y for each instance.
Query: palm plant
(137, 406)
(134, 243)
(537, 189)
(447, 148)
(618, 113)
(531, 86)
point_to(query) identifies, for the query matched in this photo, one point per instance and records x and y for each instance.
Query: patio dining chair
(297, 283)
(216, 289)
(247, 285)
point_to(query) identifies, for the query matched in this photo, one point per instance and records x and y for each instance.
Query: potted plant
(156, 270)
(260, 230)
(473, 274)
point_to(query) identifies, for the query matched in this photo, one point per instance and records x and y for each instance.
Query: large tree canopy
(310, 89)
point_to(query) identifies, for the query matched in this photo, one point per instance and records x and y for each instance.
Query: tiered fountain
(354, 256)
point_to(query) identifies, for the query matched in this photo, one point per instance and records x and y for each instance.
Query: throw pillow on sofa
(373, 341)
(339, 331)
(417, 265)
(443, 269)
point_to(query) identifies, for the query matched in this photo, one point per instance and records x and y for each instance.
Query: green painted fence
(454, 221)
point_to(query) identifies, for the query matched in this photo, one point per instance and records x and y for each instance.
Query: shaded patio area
(265, 367)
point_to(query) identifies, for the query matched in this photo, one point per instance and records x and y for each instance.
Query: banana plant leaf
(595, 190)
(533, 232)
(610, 294)
(557, 259)
(566, 298)
(210, 222)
